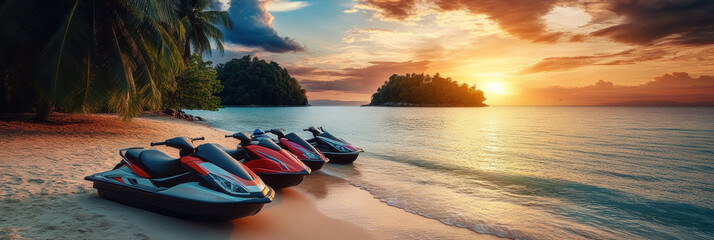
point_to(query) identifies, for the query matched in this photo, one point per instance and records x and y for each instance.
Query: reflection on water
(525, 172)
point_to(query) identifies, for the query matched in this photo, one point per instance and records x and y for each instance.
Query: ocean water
(524, 172)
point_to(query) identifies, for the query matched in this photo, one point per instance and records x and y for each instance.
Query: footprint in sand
(36, 181)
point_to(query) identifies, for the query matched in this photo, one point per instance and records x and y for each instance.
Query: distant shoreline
(403, 104)
(223, 106)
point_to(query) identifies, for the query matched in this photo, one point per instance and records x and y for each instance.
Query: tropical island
(249, 81)
(420, 90)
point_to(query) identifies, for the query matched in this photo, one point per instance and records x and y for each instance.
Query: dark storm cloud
(252, 27)
(357, 80)
(645, 21)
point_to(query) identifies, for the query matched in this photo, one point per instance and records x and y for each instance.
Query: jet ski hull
(314, 165)
(341, 158)
(177, 207)
(281, 180)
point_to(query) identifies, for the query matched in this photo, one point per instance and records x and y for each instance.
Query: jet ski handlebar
(278, 132)
(184, 144)
(244, 137)
(313, 130)
(165, 142)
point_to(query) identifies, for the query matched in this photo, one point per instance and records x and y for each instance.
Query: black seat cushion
(156, 163)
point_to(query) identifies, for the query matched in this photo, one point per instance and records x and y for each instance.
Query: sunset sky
(518, 52)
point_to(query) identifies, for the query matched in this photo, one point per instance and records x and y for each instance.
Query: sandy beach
(43, 194)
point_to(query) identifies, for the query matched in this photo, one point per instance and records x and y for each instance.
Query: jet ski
(300, 148)
(276, 166)
(334, 148)
(204, 184)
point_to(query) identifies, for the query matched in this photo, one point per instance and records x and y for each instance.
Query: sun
(495, 88)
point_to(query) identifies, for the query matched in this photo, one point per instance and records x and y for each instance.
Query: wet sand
(43, 194)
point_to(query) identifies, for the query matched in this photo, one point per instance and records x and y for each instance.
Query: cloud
(363, 34)
(678, 88)
(638, 22)
(236, 51)
(399, 9)
(631, 56)
(252, 26)
(519, 18)
(684, 21)
(680, 80)
(560, 64)
(356, 80)
(285, 5)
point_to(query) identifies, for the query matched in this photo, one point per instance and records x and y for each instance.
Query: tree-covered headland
(424, 90)
(253, 81)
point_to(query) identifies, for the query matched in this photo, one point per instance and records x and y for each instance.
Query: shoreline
(405, 104)
(43, 193)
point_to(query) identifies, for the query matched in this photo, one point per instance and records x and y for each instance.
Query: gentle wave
(525, 172)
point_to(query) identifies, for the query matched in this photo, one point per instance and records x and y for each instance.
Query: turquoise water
(524, 172)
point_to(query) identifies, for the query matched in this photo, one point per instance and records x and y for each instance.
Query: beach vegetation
(85, 56)
(195, 89)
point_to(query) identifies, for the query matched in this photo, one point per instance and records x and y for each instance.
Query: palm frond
(218, 17)
(64, 60)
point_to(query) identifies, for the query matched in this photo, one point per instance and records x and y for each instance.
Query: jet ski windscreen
(329, 135)
(300, 141)
(266, 142)
(213, 154)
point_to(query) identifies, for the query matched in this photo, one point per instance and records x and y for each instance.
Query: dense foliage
(420, 89)
(195, 89)
(83, 56)
(257, 82)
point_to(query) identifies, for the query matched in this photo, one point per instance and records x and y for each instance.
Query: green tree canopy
(79, 56)
(420, 89)
(196, 89)
(257, 82)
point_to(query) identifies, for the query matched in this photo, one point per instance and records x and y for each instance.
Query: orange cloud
(631, 56)
(355, 80)
(520, 18)
(629, 21)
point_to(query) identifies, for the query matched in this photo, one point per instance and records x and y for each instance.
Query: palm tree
(90, 54)
(198, 19)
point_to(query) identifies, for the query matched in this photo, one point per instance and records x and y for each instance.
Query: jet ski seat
(156, 163)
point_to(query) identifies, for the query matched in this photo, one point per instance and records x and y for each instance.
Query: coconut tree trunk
(44, 111)
(3, 93)
(187, 52)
